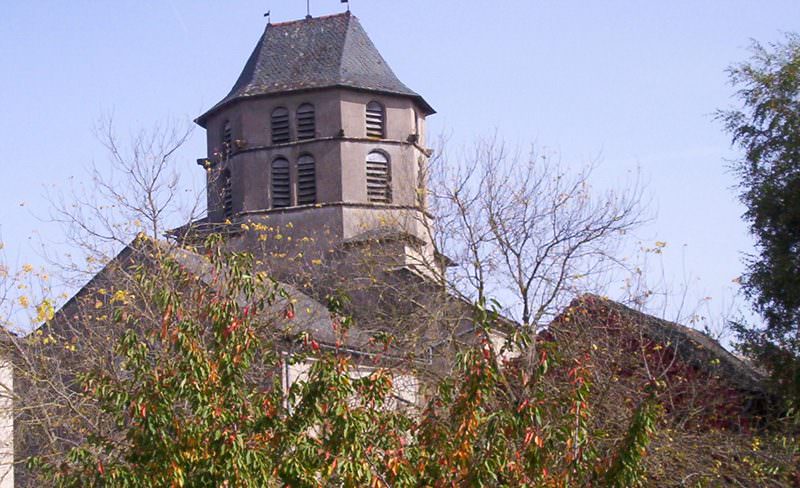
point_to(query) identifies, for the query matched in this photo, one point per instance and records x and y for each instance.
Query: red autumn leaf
(165, 322)
(231, 328)
(528, 437)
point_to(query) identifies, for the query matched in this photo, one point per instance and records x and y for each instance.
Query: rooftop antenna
(348, 4)
(269, 20)
(308, 9)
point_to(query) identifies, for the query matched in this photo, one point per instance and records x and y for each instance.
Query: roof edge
(202, 119)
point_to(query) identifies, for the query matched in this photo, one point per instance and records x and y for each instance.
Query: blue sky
(630, 84)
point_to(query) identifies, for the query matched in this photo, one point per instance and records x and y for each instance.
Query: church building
(317, 165)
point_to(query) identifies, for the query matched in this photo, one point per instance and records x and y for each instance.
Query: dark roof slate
(313, 53)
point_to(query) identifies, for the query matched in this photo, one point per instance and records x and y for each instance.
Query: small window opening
(227, 194)
(306, 181)
(375, 120)
(280, 125)
(227, 139)
(281, 184)
(378, 178)
(305, 122)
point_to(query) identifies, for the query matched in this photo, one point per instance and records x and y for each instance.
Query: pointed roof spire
(313, 53)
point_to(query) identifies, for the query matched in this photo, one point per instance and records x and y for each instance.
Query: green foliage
(767, 129)
(626, 469)
(200, 403)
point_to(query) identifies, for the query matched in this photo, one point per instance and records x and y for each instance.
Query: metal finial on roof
(348, 4)
(308, 9)
(268, 17)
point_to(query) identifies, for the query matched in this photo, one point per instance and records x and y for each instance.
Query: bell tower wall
(242, 149)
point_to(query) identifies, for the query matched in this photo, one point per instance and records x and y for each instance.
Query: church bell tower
(319, 136)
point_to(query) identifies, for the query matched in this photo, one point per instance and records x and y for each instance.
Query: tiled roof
(321, 52)
(692, 345)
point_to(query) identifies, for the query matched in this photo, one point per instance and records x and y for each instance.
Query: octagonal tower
(318, 133)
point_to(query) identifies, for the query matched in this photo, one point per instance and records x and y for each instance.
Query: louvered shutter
(226, 195)
(375, 120)
(378, 178)
(281, 184)
(306, 127)
(227, 139)
(280, 125)
(306, 181)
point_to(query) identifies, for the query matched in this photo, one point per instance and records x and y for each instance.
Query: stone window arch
(226, 194)
(279, 125)
(306, 180)
(379, 177)
(306, 123)
(376, 120)
(281, 183)
(227, 139)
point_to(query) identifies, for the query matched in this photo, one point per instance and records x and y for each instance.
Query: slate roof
(310, 315)
(313, 53)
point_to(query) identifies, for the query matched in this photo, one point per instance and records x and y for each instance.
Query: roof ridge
(658, 325)
(306, 19)
(344, 43)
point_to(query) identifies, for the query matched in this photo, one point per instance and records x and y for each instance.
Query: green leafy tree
(767, 129)
(196, 401)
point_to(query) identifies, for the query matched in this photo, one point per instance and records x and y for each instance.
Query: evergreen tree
(767, 128)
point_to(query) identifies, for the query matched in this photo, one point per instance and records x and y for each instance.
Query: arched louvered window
(376, 120)
(280, 125)
(379, 189)
(306, 180)
(227, 139)
(281, 184)
(226, 194)
(306, 127)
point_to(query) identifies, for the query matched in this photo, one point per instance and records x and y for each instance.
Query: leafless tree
(526, 229)
(136, 189)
